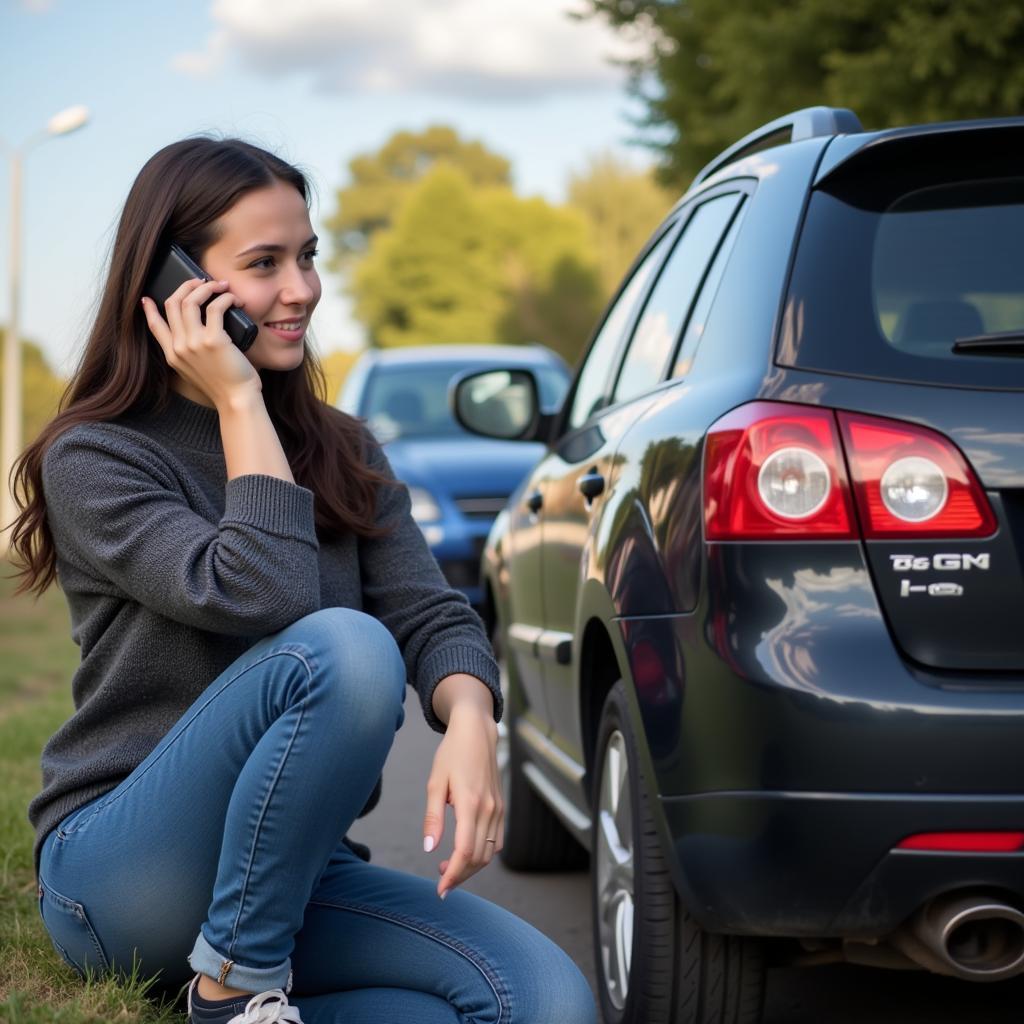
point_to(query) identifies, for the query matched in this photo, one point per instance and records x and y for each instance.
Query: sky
(316, 81)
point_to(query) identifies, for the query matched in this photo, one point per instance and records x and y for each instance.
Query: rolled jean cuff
(206, 960)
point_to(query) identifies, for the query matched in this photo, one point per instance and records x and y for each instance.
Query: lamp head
(68, 120)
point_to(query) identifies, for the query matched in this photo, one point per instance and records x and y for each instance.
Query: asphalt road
(559, 906)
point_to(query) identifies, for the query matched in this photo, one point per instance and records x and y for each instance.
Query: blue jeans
(226, 841)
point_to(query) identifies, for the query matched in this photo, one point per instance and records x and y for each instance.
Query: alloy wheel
(614, 870)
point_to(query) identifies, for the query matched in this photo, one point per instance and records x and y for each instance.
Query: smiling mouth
(287, 325)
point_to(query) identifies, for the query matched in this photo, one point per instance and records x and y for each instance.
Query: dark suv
(761, 601)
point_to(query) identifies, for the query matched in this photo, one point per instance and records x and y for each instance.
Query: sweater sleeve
(118, 510)
(437, 631)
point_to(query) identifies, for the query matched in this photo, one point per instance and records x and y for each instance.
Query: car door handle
(591, 485)
(535, 501)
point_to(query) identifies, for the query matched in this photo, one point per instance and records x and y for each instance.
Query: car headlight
(424, 508)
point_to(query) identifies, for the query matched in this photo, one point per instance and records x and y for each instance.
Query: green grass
(37, 659)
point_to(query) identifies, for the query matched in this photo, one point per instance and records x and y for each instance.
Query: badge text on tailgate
(931, 589)
(944, 562)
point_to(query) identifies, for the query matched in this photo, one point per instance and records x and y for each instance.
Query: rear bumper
(794, 747)
(824, 864)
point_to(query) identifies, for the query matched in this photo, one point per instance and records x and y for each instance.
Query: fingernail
(143, 301)
(444, 894)
(428, 844)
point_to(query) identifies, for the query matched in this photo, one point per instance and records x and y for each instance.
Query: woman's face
(265, 251)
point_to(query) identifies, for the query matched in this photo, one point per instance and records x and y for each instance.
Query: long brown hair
(178, 196)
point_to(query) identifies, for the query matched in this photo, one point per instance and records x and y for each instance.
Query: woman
(250, 595)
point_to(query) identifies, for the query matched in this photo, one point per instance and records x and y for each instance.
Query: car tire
(535, 838)
(653, 961)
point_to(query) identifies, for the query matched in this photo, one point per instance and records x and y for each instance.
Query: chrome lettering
(945, 562)
(907, 588)
(945, 590)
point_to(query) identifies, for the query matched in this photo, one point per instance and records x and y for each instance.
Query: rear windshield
(884, 284)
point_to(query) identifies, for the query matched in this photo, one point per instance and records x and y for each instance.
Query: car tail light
(912, 482)
(776, 471)
(965, 842)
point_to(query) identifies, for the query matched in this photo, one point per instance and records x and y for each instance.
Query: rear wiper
(1009, 343)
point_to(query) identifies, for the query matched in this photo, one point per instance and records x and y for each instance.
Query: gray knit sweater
(171, 572)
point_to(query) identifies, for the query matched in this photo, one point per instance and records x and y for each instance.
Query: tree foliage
(380, 181)
(41, 389)
(464, 263)
(622, 206)
(716, 71)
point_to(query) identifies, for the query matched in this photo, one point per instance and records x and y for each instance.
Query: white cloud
(465, 47)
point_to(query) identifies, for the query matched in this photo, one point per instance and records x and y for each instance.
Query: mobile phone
(177, 267)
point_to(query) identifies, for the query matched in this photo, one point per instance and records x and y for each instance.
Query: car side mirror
(502, 404)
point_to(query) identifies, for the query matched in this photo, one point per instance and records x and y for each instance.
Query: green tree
(552, 286)
(622, 207)
(383, 179)
(716, 71)
(468, 264)
(41, 389)
(435, 275)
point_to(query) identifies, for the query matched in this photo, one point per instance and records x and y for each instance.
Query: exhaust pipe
(974, 937)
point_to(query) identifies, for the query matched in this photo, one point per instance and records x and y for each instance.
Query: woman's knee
(559, 992)
(354, 654)
(572, 1002)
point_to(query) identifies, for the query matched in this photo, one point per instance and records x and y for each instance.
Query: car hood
(463, 466)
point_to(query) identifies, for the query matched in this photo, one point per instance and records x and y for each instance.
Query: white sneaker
(266, 1008)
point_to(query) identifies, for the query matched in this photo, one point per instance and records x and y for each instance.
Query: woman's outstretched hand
(465, 775)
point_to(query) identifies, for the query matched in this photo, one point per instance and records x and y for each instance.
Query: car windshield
(412, 400)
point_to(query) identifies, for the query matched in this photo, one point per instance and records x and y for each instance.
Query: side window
(701, 309)
(590, 391)
(665, 312)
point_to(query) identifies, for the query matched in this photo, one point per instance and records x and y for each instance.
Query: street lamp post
(10, 425)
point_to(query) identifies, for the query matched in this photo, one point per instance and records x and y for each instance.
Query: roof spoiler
(809, 123)
(984, 138)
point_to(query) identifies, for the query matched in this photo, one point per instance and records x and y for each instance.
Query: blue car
(458, 482)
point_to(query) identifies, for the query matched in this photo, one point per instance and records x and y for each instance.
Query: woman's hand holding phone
(202, 354)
